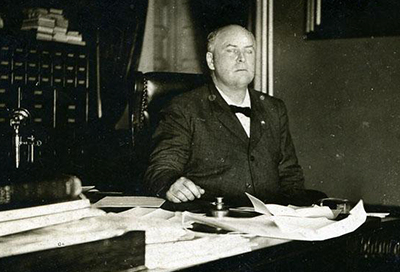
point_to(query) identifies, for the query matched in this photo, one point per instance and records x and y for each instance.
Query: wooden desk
(373, 247)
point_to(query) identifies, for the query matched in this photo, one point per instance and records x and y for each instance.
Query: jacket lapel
(224, 114)
(258, 122)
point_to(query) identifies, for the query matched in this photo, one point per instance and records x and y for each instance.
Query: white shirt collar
(246, 101)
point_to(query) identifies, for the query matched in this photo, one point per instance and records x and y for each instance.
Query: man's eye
(249, 51)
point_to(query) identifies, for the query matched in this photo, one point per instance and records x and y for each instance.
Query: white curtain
(264, 35)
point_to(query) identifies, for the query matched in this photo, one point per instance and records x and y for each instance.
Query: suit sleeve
(290, 172)
(170, 153)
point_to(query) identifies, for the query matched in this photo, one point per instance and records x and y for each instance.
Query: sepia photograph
(199, 135)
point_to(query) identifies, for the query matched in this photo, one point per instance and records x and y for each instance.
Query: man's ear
(210, 60)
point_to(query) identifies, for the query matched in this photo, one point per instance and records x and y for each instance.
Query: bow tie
(246, 111)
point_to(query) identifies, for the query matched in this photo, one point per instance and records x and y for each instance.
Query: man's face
(233, 59)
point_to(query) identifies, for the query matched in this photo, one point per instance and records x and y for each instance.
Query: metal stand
(19, 118)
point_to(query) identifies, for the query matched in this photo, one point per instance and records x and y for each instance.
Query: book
(35, 12)
(81, 43)
(59, 29)
(60, 37)
(26, 194)
(56, 11)
(44, 36)
(74, 36)
(62, 22)
(50, 25)
(46, 30)
(39, 21)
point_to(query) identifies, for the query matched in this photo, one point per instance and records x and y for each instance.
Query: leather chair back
(151, 92)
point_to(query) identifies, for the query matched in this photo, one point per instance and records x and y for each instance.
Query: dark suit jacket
(200, 138)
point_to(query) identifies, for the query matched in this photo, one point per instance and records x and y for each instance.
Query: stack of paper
(129, 202)
(19, 220)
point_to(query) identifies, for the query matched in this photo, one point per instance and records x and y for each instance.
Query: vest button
(248, 185)
(252, 158)
(212, 97)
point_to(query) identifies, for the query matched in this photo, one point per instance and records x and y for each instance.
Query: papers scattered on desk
(292, 211)
(182, 254)
(129, 202)
(158, 230)
(170, 246)
(161, 226)
(279, 223)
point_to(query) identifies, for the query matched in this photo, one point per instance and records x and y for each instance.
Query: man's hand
(184, 190)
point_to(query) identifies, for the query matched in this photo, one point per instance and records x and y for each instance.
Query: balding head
(212, 37)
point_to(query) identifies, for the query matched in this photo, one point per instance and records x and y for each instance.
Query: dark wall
(343, 97)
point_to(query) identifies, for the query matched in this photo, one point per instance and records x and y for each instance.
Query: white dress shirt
(244, 120)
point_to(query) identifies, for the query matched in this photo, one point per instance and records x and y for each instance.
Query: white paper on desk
(286, 227)
(149, 213)
(259, 206)
(279, 210)
(161, 226)
(182, 254)
(129, 202)
(378, 214)
(260, 225)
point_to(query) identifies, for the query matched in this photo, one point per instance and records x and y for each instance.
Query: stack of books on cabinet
(50, 80)
(50, 25)
(46, 226)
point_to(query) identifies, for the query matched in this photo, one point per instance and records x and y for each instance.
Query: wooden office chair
(150, 93)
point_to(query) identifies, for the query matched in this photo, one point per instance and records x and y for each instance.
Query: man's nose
(241, 57)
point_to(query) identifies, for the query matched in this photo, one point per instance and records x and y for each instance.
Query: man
(205, 147)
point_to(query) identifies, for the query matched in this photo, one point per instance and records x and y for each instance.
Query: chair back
(151, 93)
